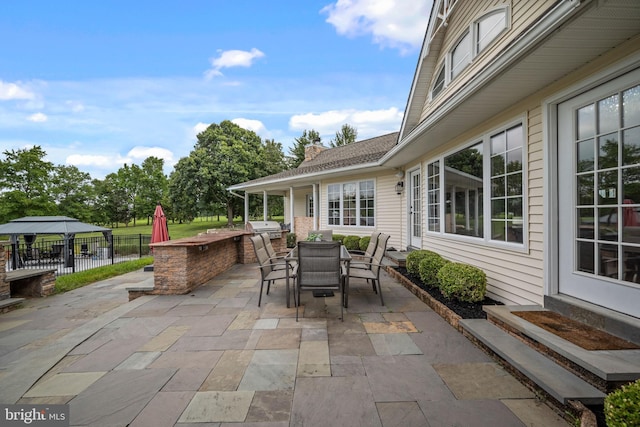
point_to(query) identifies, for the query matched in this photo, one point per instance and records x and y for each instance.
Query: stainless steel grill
(271, 227)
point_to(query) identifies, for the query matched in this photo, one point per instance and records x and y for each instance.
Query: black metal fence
(78, 254)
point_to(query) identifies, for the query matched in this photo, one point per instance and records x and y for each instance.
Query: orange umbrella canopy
(159, 230)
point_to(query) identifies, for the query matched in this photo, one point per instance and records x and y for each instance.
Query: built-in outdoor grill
(271, 227)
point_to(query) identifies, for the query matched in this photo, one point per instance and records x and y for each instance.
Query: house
(518, 152)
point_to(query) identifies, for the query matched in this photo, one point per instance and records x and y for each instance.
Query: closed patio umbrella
(159, 230)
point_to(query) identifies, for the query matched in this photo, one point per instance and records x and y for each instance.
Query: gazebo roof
(48, 225)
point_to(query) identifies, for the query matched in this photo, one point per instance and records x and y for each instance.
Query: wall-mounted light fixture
(400, 184)
(203, 248)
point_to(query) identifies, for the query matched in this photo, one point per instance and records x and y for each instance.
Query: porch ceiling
(520, 73)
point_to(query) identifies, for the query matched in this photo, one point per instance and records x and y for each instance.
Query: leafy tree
(73, 192)
(185, 187)
(347, 135)
(25, 178)
(154, 187)
(297, 151)
(232, 155)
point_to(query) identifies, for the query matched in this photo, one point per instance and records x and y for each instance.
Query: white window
(480, 188)
(309, 205)
(351, 204)
(488, 27)
(461, 55)
(439, 83)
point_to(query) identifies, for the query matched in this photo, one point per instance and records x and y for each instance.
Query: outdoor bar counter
(184, 264)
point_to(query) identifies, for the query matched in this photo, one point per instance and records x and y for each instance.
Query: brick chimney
(311, 151)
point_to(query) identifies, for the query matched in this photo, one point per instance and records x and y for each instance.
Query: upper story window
(476, 38)
(488, 27)
(351, 204)
(461, 55)
(439, 83)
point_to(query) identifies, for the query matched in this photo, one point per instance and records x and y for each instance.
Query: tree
(154, 187)
(296, 152)
(185, 187)
(73, 192)
(347, 135)
(25, 179)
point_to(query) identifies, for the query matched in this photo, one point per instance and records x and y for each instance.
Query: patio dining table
(292, 258)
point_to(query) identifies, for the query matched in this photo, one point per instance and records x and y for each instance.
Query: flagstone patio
(214, 358)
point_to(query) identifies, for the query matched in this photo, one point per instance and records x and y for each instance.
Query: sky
(101, 84)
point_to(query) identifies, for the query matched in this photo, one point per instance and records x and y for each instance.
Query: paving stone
(236, 302)
(244, 320)
(190, 310)
(316, 334)
(270, 406)
(469, 413)
(279, 339)
(313, 359)
(533, 412)
(230, 340)
(117, 397)
(266, 324)
(481, 381)
(106, 357)
(165, 339)
(187, 359)
(404, 379)
(164, 409)
(64, 384)
(139, 360)
(188, 379)
(271, 370)
(393, 344)
(350, 345)
(228, 372)
(207, 326)
(334, 401)
(217, 406)
(347, 366)
(401, 414)
(389, 327)
(309, 323)
(7, 325)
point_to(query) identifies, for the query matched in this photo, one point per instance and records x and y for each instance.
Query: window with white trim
(351, 204)
(439, 83)
(461, 55)
(481, 187)
(488, 27)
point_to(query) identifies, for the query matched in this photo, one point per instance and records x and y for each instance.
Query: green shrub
(622, 406)
(463, 282)
(352, 243)
(428, 268)
(291, 240)
(364, 242)
(413, 261)
(338, 238)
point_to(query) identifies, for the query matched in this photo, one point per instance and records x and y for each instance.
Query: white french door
(415, 208)
(599, 195)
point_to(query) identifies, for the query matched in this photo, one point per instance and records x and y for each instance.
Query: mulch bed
(466, 310)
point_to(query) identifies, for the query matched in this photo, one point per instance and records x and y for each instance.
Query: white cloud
(141, 153)
(398, 24)
(253, 125)
(9, 91)
(199, 128)
(368, 123)
(38, 118)
(75, 106)
(232, 58)
(96, 160)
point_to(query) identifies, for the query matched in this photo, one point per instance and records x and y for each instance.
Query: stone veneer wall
(302, 226)
(5, 288)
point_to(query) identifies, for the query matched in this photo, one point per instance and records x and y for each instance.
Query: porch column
(265, 208)
(293, 228)
(316, 222)
(246, 208)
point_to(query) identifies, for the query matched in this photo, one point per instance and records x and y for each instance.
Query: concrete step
(559, 383)
(606, 369)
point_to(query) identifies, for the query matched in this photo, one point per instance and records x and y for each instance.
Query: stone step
(608, 368)
(9, 304)
(559, 383)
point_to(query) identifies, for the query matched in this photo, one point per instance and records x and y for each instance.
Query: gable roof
(335, 161)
